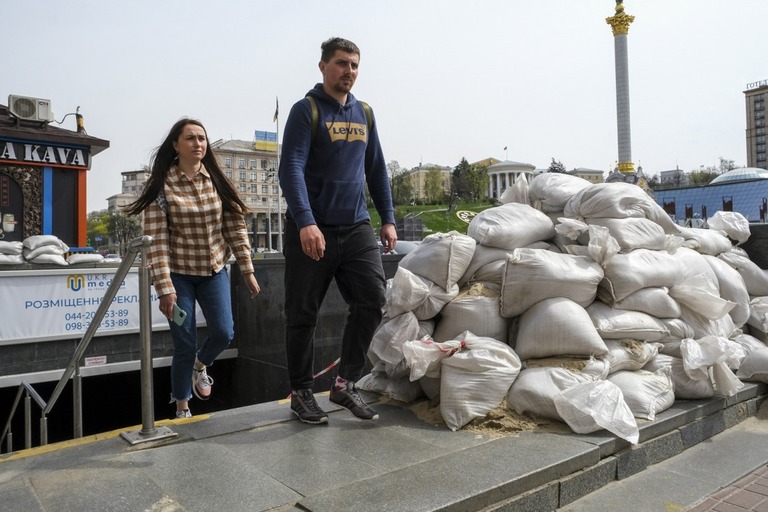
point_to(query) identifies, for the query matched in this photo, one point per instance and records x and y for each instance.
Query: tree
(123, 229)
(97, 228)
(477, 181)
(556, 166)
(433, 186)
(400, 181)
(460, 181)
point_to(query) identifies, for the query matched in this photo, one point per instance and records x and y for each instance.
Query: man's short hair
(330, 46)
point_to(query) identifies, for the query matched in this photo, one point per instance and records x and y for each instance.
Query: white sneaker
(201, 384)
(183, 414)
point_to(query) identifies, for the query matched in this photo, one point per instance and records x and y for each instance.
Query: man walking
(330, 152)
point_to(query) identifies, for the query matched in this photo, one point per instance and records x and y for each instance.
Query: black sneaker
(350, 399)
(304, 405)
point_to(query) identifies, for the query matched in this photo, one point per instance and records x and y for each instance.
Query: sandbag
(654, 301)
(476, 379)
(475, 309)
(755, 278)
(619, 324)
(405, 292)
(557, 327)
(532, 275)
(549, 191)
(641, 268)
(732, 288)
(436, 299)
(705, 241)
(387, 342)
(534, 389)
(685, 387)
(632, 233)
(424, 356)
(617, 200)
(398, 388)
(441, 258)
(734, 224)
(628, 354)
(754, 367)
(510, 226)
(646, 393)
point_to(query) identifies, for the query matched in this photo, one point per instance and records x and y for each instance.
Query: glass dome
(741, 174)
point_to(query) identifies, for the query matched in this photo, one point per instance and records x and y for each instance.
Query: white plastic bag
(591, 406)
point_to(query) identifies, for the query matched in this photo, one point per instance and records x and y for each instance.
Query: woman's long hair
(165, 156)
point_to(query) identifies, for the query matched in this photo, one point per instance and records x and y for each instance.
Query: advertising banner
(60, 304)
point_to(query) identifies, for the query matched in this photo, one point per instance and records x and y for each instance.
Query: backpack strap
(315, 121)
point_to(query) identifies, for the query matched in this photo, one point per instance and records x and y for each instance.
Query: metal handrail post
(145, 323)
(27, 421)
(148, 432)
(43, 430)
(77, 403)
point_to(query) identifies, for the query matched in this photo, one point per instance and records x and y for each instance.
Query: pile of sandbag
(587, 304)
(47, 249)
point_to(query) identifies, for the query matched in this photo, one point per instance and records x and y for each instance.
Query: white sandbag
(437, 298)
(641, 268)
(532, 275)
(510, 226)
(405, 292)
(517, 193)
(705, 241)
(758, 313)
(702, 300)
(618, 324)
(754, 367)
(732, 288)
(617, 200)
(13, 248)
(678, 330)
(31, 254)
(534, 389)
(549, 191)
(592, 406)
(646, 393)
(557, 327)
(750, 343)
(11, 259)
(629, 354)
(697, 272)
(734, 224)
(480, 258)
(475, 380)
(79, 257)
(398, 389)
(633, 233)
(49, 259)
(35, 241)
(475, 309)
(711, 353)
(755, 278)
(597, 368)
(387, 342)
(654, 301)
(441, 258)
(703, 326)
(424, 355)
(685, 387)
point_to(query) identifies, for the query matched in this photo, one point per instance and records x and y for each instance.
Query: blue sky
(447, 79)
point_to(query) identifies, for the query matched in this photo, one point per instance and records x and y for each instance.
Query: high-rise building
(756, 95)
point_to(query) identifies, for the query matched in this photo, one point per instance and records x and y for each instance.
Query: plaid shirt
(197, 236)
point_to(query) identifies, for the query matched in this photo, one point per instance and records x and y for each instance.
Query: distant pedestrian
(197, 222)
(330, 152)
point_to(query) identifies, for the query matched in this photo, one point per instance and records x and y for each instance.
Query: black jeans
(352, 258)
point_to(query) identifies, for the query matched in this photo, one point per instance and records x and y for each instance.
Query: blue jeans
(213, 295)
(352, 258)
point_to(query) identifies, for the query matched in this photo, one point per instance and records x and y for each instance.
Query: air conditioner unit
(30, 109)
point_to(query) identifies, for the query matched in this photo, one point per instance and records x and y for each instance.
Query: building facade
(133, 181)
(252, 169)
(419, 179)
(755, 97)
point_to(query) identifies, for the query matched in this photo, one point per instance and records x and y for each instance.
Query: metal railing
(72, 371)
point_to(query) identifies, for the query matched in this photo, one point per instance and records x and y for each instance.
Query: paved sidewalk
(259, 458)
(749, 493)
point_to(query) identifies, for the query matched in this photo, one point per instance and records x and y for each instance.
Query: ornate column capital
(620, 21)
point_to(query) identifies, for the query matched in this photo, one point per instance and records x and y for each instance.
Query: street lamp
(273, 177)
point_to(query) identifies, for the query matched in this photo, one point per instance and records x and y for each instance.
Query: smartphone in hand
(178, 314)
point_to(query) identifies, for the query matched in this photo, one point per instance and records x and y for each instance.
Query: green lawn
(434, 216)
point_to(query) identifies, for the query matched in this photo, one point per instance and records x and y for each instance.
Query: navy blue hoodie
(324, 180)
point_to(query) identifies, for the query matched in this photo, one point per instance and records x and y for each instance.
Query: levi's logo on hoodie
(346, 131)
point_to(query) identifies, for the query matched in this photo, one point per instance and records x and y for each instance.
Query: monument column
(620, 25)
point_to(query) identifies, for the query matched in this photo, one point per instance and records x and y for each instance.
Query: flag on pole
(274, 118)
(505, 147)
